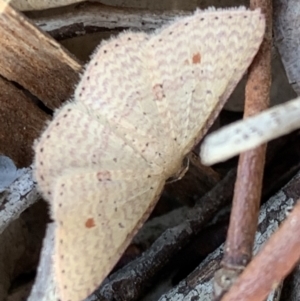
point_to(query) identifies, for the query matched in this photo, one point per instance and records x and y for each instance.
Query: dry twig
(286, 37)
(247, 194)
(95, 17)
(20, 195)
(199, 284)
(271, 265)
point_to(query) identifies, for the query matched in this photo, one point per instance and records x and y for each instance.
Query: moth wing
(116, 87)
(77, 139)
(196, 62)
(243, 135)
(89, 239)
(163, 91)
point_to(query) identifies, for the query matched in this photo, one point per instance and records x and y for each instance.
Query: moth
(246, 134)
(143, 102)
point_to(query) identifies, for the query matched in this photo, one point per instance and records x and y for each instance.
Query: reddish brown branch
(251, 164)
(246, 200)
(271, 265)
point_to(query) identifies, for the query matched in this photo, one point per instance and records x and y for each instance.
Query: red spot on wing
(90, 223)
(196, 58)
(158, 91)
(104, 176)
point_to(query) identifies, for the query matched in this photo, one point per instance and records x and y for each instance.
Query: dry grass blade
(243, 135)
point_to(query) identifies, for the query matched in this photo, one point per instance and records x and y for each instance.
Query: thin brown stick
(199, 283)
(246, 200)
(271, 265)
(251, 164)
